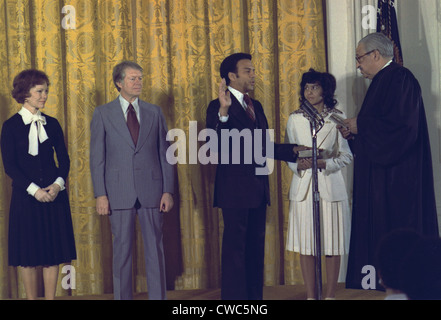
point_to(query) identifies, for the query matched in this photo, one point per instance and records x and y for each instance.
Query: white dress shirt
(239, 96)
(125, 107)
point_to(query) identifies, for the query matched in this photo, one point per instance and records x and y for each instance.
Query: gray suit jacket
(122, 171)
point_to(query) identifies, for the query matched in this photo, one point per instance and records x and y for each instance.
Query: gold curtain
(180, 44)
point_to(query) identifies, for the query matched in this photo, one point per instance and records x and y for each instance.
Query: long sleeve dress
(334, 205)
(40, 234)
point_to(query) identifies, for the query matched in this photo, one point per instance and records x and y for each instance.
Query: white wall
(420, 34)
(344, 30)
(420, 31)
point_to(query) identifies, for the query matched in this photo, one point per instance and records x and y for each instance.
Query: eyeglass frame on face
(367, 53)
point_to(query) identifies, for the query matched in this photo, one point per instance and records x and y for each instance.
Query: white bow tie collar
(36, 130)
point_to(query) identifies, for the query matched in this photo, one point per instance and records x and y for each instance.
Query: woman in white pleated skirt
(319, 88)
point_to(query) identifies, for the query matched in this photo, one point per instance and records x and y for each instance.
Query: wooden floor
(296, 292)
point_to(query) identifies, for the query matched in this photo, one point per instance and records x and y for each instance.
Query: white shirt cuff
(32, 189)
(60, 182)
(223, 118)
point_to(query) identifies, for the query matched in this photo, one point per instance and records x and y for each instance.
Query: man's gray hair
(119, 72)
(378, 41)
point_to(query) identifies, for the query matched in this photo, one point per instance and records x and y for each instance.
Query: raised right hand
(224, 98)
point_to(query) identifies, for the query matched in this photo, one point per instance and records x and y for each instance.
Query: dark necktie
(133, 124)
(250, 108)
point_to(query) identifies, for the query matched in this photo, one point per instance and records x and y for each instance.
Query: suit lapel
(303, 129)
(116, 117)
(324, 133)
(261, 120)
(239, 113)
(146, 124)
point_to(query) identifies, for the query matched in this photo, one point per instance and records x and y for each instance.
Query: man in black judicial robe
(393, 179)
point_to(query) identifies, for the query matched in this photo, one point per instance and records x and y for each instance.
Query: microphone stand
(316, 211)
(316, 121)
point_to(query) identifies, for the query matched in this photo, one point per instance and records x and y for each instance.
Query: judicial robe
(393, 178)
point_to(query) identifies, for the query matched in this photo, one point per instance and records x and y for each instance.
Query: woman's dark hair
(325, 80)
(25, 81)
(230, 65)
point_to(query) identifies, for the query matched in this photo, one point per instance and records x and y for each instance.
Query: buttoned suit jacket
(125, 172)
(237, 185)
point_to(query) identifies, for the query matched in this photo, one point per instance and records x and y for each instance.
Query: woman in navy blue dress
(40, 223)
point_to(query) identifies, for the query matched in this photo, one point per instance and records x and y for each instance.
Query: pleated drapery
(180, 45)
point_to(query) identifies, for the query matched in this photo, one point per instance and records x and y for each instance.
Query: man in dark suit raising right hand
(242, 194)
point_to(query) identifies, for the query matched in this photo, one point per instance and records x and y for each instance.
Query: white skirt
(335, 224)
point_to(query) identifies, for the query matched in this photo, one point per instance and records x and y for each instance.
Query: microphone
(312, 112)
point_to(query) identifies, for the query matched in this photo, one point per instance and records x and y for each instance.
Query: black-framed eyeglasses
(359, 58)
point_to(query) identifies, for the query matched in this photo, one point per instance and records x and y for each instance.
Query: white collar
(28, 116)
(36, 133)
(125, 104)
(239, 95)
(387, 64)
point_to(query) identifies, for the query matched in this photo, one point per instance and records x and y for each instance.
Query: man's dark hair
(391, 251)
(230, 65)
(420, 272)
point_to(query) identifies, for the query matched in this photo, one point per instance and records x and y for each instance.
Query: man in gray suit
(131, 176)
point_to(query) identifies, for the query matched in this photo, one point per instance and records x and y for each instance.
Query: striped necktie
(250, 108)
